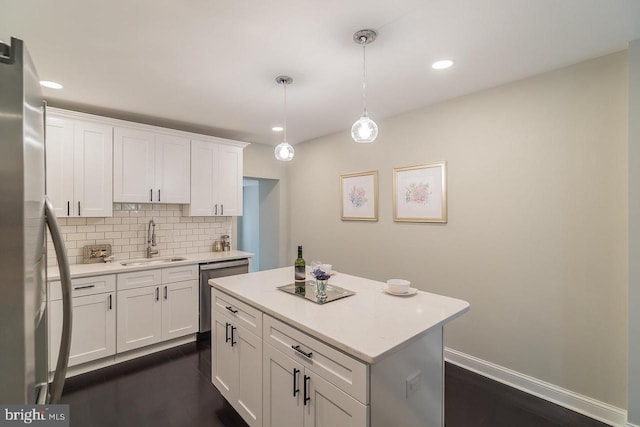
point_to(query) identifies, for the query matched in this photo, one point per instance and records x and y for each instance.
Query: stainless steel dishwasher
(212, 270)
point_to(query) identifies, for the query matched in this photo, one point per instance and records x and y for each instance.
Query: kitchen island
(370, 359)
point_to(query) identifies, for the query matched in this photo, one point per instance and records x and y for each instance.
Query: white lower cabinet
(236, 368)
(295, 396)
(93, 326)
(277, 376)
(149, 314)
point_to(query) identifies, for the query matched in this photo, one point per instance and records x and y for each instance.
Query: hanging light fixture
(364, 130)
(284, 150)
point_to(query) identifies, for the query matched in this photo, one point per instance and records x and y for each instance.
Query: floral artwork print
(359, 193)
(417, 192)
(357, 197)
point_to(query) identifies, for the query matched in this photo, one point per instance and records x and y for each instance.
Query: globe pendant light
(364, 130)
(284, 151)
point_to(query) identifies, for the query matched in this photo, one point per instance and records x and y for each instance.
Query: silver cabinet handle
(65, 280)
(299, 350)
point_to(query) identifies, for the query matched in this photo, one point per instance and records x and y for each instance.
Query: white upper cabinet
(173, 169)
(216, 180)
(150, 167)
(133, 165)
(79, 167)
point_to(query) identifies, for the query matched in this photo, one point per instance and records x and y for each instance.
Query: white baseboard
(576, 402)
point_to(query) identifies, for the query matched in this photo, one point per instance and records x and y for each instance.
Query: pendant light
(284, 150)
(364, 130)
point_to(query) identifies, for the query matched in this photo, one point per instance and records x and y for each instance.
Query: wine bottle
(300, 273)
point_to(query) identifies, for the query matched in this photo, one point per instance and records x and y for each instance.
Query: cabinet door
(133, 166)
(331, 407)
(230, 180)
(139, 318)
(224, 365)
(202, 178)
(248, 395)
(179, 309)
(282, 402)
(93, 154)
(173, 169)
(59, 157)
(93, 333)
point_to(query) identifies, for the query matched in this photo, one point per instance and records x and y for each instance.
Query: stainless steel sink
(152, 261)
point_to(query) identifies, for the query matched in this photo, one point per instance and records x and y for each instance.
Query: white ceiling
(210, 65)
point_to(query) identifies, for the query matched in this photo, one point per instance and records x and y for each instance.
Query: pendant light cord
(363, 41)
(284, 84)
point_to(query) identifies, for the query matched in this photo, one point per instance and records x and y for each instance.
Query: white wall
(537, 233)
(634, 233)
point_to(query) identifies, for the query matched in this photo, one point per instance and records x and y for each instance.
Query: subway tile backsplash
(126, 232)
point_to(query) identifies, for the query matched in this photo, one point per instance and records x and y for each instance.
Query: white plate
(411, 291)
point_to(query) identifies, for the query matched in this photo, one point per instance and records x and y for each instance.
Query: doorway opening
(259, 225)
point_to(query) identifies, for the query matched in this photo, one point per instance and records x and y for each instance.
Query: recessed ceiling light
(50, 85)
(277, 129)
(442, 64)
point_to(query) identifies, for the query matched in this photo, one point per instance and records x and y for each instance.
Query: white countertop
(83, 270)
(367, 325)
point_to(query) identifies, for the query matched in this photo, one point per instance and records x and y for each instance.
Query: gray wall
(537, 233)
(634, 233)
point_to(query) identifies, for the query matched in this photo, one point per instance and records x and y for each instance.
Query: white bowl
(399, 286)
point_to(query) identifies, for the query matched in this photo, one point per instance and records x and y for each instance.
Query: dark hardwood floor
(173, 388)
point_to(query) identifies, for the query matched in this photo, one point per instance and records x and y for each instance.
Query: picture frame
(420, 193)
(359, 192)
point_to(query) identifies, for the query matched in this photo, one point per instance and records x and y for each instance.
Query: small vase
(321, 289)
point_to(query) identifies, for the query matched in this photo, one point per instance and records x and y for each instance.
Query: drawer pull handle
(68, 209)
(306, 389)
(165, 292)
(231, 309)
(151, 194)
(157, 294)
(233, 342)
(299, 350)
(110, 302)
(296, 389)
(84, 287)
(226, 332)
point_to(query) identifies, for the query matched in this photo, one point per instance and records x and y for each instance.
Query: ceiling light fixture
(277, 128)
(284, 150)
(50, 85)
(364, 130)
(442, 64)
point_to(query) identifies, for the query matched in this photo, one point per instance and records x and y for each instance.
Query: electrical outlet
(414, 382)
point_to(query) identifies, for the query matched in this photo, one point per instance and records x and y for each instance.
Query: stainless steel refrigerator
(24, 215)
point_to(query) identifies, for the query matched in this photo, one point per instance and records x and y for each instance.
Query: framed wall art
(420, 193)
(359, 196)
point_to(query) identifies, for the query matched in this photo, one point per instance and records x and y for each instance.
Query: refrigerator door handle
(65, 279)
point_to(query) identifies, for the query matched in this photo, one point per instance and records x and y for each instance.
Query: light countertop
(84, 270)
(367, 325)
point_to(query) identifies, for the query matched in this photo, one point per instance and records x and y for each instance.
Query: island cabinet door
(282, 382)
(328, 406)
(248, 351)
(224, 364)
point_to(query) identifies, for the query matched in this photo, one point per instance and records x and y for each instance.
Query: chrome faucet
(151, 239)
